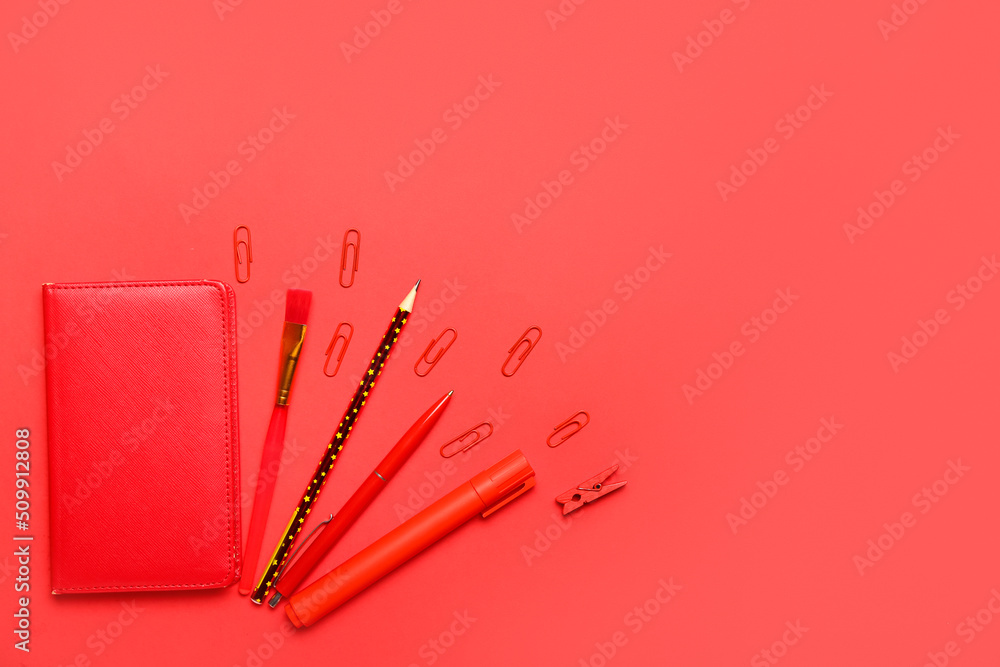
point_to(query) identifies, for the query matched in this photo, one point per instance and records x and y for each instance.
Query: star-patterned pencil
(333, 449)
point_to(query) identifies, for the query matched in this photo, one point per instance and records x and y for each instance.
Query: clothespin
(588, 491)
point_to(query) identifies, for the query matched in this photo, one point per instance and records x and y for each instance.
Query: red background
(117, 215)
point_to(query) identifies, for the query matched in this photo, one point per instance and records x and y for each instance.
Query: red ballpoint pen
(359, 502)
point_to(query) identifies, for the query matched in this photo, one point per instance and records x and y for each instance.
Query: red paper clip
(466, 445)
(588, 491)
(520, 360)
(244, 276)
(343, 256)
(560, 428)
(437, 357)
(333, 341)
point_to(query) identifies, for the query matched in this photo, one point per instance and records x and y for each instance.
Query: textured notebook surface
(143, 435)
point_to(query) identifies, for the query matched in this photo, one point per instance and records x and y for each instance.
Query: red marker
(485, 493)
(359, 502)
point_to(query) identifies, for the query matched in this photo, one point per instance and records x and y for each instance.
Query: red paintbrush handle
(270, 460)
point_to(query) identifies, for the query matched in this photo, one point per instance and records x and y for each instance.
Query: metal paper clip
(437, 357)
(525, 338)
(560, 429)
(463, 445)
(333, 341)
(343, 256)
(242, 277)
(588, 491)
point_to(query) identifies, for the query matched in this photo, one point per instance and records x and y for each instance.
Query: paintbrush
(296, 313)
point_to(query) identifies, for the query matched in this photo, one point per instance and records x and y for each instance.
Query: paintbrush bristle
(297, 305)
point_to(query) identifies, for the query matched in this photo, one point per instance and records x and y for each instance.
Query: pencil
(333, 449)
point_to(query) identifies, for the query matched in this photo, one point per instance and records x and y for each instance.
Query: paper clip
(589, 491)
(333, 341)
(520, 360)
(343, 256)
(466, 445)
(236, 252)
(437, 357)
(560, 428)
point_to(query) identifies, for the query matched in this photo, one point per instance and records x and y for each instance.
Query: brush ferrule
(291, 347)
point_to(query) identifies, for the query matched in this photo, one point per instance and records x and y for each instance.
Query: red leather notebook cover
(143, 435)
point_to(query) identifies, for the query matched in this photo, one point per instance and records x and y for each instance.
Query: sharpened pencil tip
(407, 304)
(418, 284)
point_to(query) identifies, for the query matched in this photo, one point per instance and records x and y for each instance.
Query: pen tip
(451, 392)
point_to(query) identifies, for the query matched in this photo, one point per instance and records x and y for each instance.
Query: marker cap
(503, 482)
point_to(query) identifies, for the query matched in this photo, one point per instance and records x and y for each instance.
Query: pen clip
(291, 557)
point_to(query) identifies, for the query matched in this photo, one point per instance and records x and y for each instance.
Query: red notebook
(143, 435)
